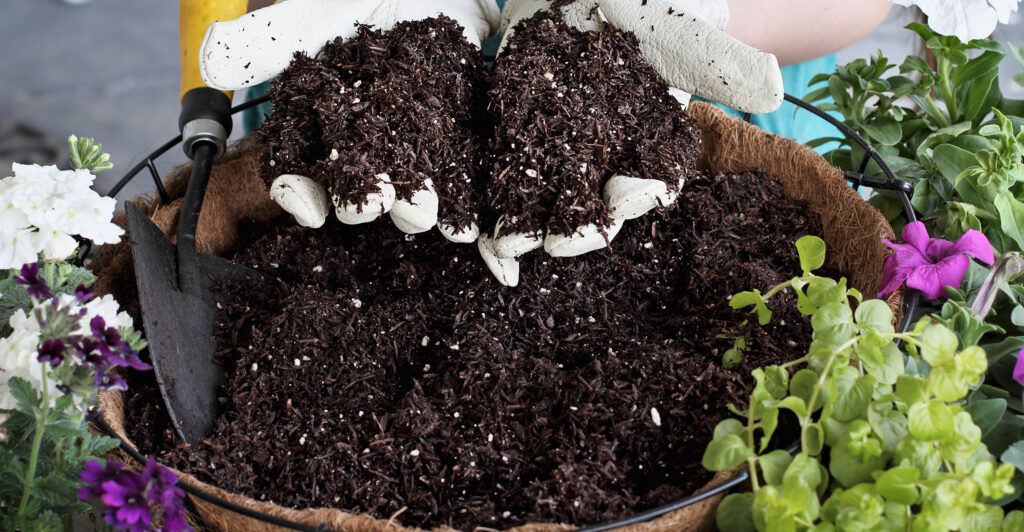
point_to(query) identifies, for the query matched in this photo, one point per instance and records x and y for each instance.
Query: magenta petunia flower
(929, 264)
(1018, 368)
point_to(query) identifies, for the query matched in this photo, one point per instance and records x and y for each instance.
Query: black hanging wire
(889, 182)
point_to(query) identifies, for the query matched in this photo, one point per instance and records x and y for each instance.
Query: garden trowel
(174, 282)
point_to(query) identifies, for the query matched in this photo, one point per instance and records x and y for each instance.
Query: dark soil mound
(401, 102)
(388, 373)
(571, 110)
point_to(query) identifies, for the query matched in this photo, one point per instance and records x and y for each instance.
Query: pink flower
(1018, 368)
(929, 264)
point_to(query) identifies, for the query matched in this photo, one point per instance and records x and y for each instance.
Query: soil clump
(402, 103)
(572, 109)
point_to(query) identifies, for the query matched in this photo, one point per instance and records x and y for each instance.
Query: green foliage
(45, 449)
(880, 447)
(950, 132)
(86, 154)
(46, 439)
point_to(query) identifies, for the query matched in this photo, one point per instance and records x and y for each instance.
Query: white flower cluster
(41, 207)
(19, 351)
(966, 19)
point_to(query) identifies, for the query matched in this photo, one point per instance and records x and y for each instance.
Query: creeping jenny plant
(883, 444)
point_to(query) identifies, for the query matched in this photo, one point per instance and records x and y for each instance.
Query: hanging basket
(852, 231)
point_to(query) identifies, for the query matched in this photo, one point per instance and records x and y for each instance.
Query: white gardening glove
(258, 46)
(684, 41)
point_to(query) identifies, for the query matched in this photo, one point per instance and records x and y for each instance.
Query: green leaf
(27, 398)
(833, 324)
(951, 161)
(725, 453)
(814, 439)
(1014, 454)
(1014, 521)
(849, 469)
(938, 345)
(947, 384)
(899, 484)
(735, 514)
(885, 131)
(811, 250)
(987, 519)
(745, 299)
(874, 313)
(890, 367)
(920, 454)
(1011, 217)
(854, 402)
(728, 426)
(930, 421)
(986, 413)
(776, 381)
(888, 424)
(773, 465)
(802, 384)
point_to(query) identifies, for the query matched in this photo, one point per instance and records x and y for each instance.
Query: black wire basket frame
(888, 182)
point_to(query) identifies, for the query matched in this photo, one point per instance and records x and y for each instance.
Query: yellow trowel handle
(205, 112)
(194, 18)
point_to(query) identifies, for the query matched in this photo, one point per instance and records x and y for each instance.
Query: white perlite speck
(298, 362)
(318, 268)
(414, 452)
(425, 341)
(255, 366)
(334, 154)
(357, 303)
(655, 416)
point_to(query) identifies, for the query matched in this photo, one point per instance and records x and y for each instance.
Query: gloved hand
(258, 46)
(684, 41)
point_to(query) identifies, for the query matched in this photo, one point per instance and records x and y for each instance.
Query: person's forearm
(798, 30)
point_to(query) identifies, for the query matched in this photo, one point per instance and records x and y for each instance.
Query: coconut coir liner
(851, 229)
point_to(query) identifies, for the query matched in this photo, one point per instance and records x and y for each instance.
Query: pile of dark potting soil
(400, 102)
(572, 109)
(380, 372)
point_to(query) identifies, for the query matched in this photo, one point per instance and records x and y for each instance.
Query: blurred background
(109, 69)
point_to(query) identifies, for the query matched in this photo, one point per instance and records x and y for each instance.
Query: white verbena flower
(966, 19)
(42, 207)
(19, 351)
(18, 359)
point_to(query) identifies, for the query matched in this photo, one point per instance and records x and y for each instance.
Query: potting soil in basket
(391, 374)
(380, 372)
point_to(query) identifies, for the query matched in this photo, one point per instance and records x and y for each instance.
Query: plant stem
(818, 386)
(37, 440)
(946, 86)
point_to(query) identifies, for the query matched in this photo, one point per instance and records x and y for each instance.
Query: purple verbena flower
(109, 340)
(83, 294)
(107, 380)
(52, 351)
(1018, 368)
(95, 474)
(34, 285)
(929, 264)
(136, 501)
